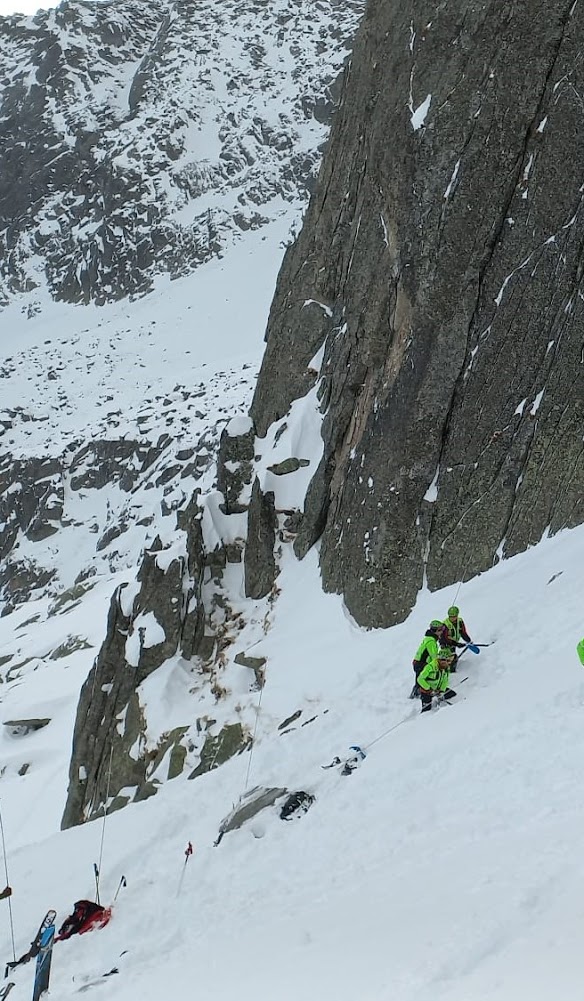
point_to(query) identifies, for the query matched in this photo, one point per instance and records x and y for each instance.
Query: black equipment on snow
(296, 805)
(350, 763)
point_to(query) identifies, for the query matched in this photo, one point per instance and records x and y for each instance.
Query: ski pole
(188, 852)
(96, 874)
(120, 884)
(8, 884)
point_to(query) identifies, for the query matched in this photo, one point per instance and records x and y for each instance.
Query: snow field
(445, 867)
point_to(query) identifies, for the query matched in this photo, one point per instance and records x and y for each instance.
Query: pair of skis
(42, 940)
(43, 963)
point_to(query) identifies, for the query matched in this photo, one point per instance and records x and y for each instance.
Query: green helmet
(453, 612)
(436, 624)
(445, 654)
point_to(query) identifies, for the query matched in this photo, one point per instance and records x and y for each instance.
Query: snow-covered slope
(446, 867)
(120, 434)
(115, 413)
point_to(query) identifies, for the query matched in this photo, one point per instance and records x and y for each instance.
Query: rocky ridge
(439, 275)
(140, 139)
(140, 142)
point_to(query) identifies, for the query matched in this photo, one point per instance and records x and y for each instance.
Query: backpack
(296, 805)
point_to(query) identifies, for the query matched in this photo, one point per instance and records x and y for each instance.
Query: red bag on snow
(99, 920)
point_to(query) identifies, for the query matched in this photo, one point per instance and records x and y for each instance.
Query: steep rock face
(109, 754)
(141, 138)
(262, 522)
(441, 265)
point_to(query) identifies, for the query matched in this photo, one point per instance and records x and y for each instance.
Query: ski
(6, 990)
(48, 920)
(97, 980)
(43, 963)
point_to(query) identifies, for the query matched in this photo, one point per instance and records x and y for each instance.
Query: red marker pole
(189, 850)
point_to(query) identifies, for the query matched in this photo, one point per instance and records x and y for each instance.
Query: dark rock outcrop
(193, 614)
(259, 560)
(143, 631)
(18, 578)
(22, 727)
(31, 499)
(235, 465)
(108, 693)
(122, 461)
(217, 749)
(257, 665)
(441, 265)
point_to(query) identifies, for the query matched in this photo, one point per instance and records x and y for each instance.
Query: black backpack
(296, 805)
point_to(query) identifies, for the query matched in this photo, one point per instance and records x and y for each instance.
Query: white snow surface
(447, 867)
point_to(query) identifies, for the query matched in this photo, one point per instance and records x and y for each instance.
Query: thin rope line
(411, 715)
(109, 778)
(462, 581)
(8, 884)
(253, 736)
(394, 727)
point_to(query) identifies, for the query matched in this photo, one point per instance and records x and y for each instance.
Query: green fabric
(429, 643)
(580, 649)
(454, 628)
(433, 678)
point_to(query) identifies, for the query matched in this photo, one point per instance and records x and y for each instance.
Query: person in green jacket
(580, 650)
(456, 635)
(428, 649)
(433, 679)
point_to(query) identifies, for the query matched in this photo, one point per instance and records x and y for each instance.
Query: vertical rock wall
(441, 263)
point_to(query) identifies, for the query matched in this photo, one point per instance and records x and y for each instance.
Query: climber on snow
(433, 680)
(456, 635)
(435, 635)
